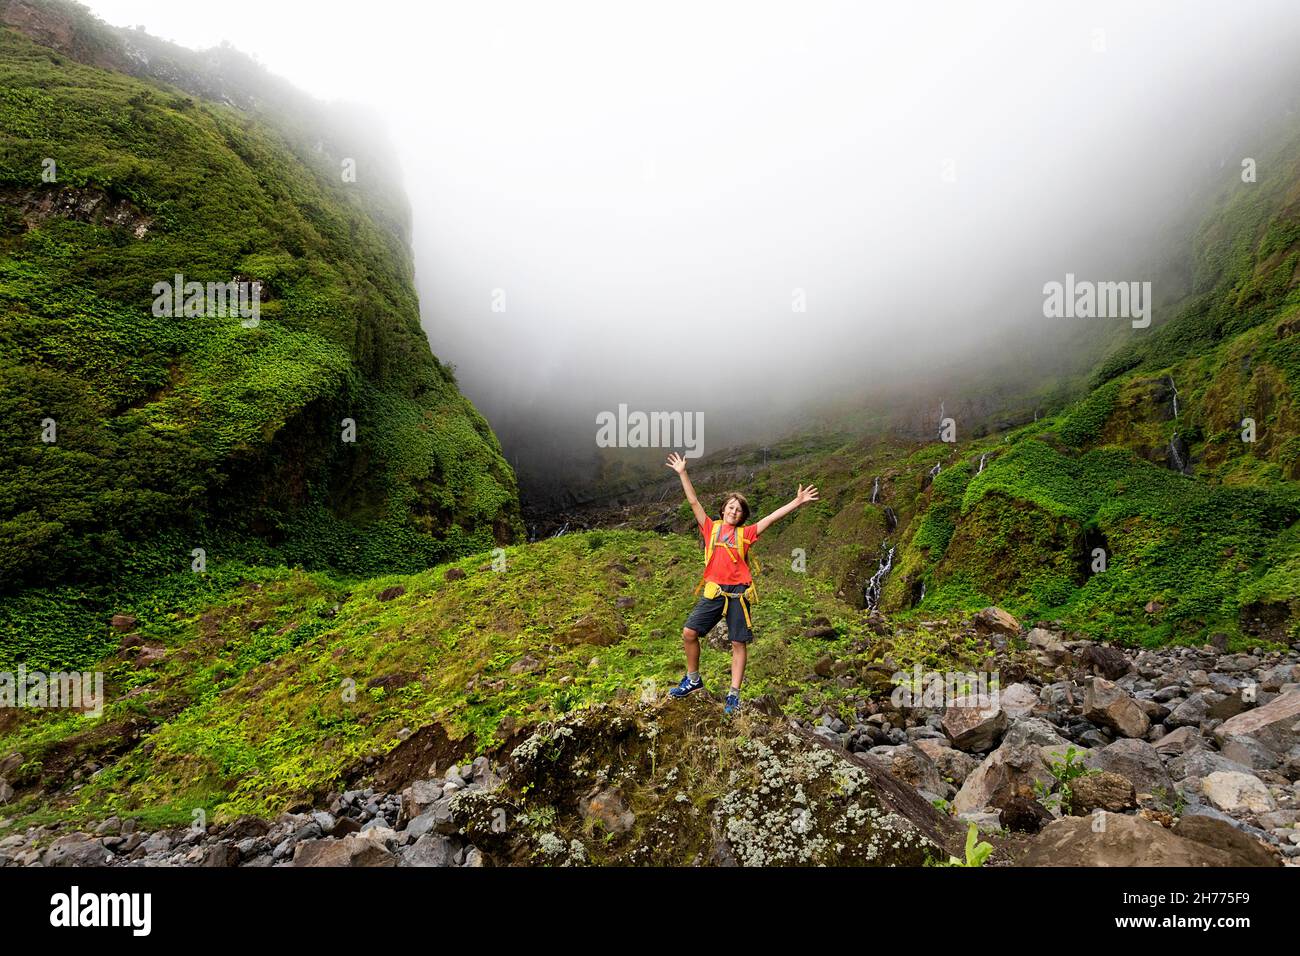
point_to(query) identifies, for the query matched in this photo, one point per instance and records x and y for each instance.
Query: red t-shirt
(721, 569)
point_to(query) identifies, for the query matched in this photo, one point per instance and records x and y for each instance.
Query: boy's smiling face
(731, 512)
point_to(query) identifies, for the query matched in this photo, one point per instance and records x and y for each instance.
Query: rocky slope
(1093, 757)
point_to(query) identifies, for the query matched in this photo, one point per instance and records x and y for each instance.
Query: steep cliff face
(322, 426)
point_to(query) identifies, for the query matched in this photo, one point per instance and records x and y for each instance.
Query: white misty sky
(650, 182)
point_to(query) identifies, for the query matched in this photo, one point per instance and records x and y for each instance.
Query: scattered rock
(1115, 839)
(1049, 644)
(1224, 836)
(431, 849)
(1022, 814)
(997, 620)
(1109, 705)
(1275, 725)
(525, 665)
(607, 808)
(974, 724)
(1016, 763)
(1135, 760)
(1101, 791)
(1108, 662)
(354, 850)
(1018, 700)
(1231, 792)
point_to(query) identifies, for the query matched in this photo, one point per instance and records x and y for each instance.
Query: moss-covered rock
(697, 788)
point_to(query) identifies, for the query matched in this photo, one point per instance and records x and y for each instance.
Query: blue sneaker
(685, 687)
(733, 704)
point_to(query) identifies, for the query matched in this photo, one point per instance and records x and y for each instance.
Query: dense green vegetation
(177, 433)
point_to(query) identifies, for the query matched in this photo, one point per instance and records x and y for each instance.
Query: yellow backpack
(711, 589)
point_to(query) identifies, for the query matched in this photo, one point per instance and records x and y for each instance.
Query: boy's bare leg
(739, 654)
(691, 643)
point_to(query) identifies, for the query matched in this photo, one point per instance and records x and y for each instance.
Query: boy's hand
(677, 463)
(805, 495)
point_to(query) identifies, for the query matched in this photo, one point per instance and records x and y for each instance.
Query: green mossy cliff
(177, 433)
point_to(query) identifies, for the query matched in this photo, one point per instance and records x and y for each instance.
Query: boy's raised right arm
(678, 464)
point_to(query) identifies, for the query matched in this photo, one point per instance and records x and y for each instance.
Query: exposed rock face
(606, 807)
(1224, 836)
(1113, 839)
(786, 796)
(79, 205)
(55, 29)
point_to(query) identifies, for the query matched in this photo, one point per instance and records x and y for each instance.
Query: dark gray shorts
(709, 610)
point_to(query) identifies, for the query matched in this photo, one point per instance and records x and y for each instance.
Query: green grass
(248, 710)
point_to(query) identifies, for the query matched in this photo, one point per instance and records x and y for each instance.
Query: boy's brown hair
(744, 505)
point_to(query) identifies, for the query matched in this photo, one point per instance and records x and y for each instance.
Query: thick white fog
(629, 203)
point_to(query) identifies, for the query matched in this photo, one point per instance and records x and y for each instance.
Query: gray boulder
(1109, 705)
(1135, 760)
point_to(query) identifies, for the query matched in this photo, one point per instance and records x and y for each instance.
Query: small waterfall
(1179, 454)
(983, 457)
(1175, 391)
(877, 582)
(891, 519)
(922, 593)
(929, 477)
(875, 490)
